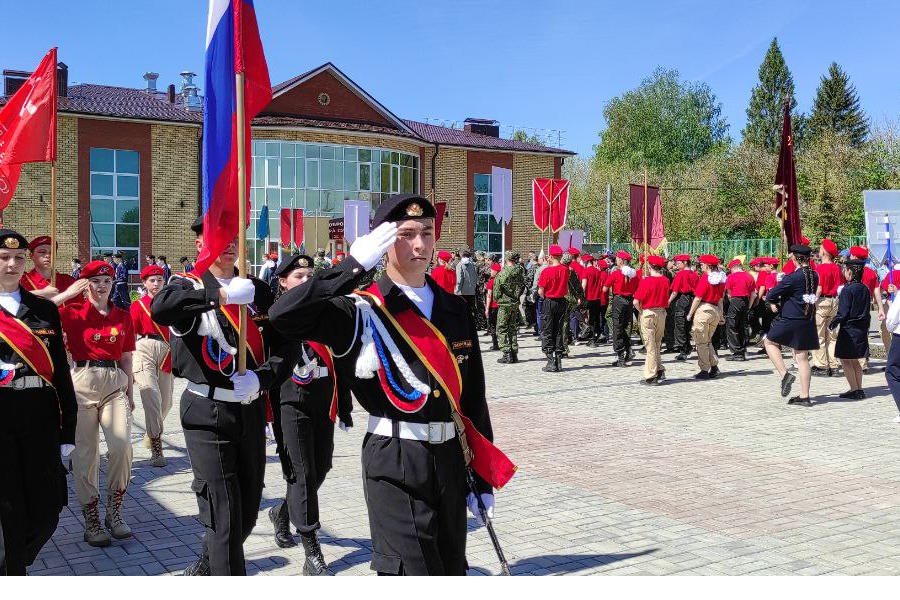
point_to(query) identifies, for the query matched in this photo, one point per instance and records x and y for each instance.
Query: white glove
(246, 386)
(66, 449)
(239, 290)
(368, 249)
(487, 500)
(344, 427)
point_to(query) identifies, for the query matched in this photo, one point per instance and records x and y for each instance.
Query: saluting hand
(368, 249)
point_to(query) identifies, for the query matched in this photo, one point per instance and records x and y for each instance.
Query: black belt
(826, 296)
(96, 363)
(624, 297)
(152, 336)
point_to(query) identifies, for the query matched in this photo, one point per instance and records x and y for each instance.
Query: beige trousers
(653, 329)
(826, 311)
(101, 393)
(154, 385)
(706, 319)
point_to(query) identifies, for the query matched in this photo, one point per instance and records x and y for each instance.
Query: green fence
(725, 248)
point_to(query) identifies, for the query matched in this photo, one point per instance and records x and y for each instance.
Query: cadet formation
(395, 326)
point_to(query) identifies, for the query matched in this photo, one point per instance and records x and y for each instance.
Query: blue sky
(539, 64)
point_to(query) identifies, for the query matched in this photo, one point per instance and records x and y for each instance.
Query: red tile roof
(457, 137)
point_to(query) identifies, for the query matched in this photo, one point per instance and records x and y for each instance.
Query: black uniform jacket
(319, 310)
(788, 294)
(42, 317)
(179, 305)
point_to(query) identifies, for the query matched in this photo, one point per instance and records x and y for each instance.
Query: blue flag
(262, 226)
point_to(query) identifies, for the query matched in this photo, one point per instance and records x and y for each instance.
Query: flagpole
(53, 223)
(646, 248)
(242, 218)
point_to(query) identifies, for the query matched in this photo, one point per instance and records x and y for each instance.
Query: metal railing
(724, 248)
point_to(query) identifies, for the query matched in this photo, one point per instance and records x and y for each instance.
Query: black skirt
(852, 342)
(799, 334)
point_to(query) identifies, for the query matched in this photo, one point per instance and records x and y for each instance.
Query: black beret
(400, 207)
(108, 254)
(12, 240)
(197, 226)
(801, 249)
(857, 262)
(295, 261)
(183, 259)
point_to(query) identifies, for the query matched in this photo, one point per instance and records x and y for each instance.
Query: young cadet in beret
(870, 280)
(442, 274)
(622, 283)
(491, 306)
(853, 317)
(706, 314)
(152, 363)
(312, 396)
(100, 338)
(592, 280)
(680, 299)
(651, 299)
(419, 374)
(37, 413)
(553, 286)
(120, 296)
(223, 420)
(37, 280)
(741, 289)
(830, 279)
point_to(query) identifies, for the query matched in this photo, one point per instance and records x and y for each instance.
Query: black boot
(315, 561)
(550, 367)
(513, 357)
(200, 567)
(558, 363)
(282, 522)
(504, 359)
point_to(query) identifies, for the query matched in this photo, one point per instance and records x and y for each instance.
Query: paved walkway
(718, 477)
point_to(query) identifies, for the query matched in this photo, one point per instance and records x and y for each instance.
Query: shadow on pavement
(560, 564)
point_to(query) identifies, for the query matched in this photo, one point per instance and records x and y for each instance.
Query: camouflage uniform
(508, 288)
(319, 262)
(483, 273)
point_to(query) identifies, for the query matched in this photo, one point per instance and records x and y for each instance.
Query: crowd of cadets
(74, 348)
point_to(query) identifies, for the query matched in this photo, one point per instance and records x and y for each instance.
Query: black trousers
(596, 318)
(622, 314)
(669, 335)
(306, 453)
(32, 478)
(554, 325)
(120, 296)
(681, 324)
(492, 324)
(227, 447)
(416, 496)
(736, 324)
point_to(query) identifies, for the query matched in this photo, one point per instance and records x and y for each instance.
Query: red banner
(298, 226)
(787, 200)
(285, 231)
(656, 233)
(440, 209)
(550, 200)
(26, 345)
(28, 126)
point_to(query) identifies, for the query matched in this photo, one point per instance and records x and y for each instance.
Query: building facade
(129, 173)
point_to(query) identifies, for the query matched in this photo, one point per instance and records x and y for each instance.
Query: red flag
(550, 200)
(28, 126)
(787, 200)
(655, 230)
(440, 209)
(540, 199)
(285, 228)
(559, 204)
(298, 226)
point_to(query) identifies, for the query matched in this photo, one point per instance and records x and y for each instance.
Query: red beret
(830, 247)
(657, 261)
(755, 261)
(734, 263)
(709, 259)
(151, 270)
(804, 240)
(682, 257)
(623, 255)
(586, 257)
(555, 250)
(444, 255)
(770, 260)
(602, 264)
(574, 251)
(496, 267)
(859, 252)
(97, 268)
(41, 240)
(340, 254)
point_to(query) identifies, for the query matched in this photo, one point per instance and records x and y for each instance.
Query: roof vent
(488, 127)
(150, 77)
(190, 91)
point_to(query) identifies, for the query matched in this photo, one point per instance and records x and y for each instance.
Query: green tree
(662, 123)
(836, 108)
(766, 109)
(520, 135)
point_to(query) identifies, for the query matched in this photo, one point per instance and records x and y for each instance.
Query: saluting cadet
(152, 363)
(312, 398)
(442, 274)
(741, 289)
(651, 299)
(680, 299)
(830, 279)
(508, 286)
(101, 340)
(794, 298)
(419, 375)
(622, 283)
(223, 423)
(706, 314)
(553, 286)
(37, 413)
(37, 280)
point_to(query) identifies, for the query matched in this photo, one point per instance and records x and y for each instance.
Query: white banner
(571, 238)
(882, 208)
(356, 219)
(501, 194)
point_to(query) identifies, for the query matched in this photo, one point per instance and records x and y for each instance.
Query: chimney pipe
(150, 77)
(187, 80)
(171, 93)
(62, 79)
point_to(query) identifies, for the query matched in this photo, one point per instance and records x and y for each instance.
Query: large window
(115, 204)
(488, 230)
(319, 177)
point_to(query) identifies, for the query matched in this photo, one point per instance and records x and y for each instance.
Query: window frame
(115, 197)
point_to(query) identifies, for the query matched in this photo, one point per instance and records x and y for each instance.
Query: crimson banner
(298, 226)
(550, 199)
(656, 233)
(787, 200)
(440, 208)
(285, 230)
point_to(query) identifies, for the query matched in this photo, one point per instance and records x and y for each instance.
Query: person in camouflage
(508, 288)
(319, 262)
(482, 274)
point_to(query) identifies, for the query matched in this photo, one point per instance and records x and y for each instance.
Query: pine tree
(766, 110)
(837, 109)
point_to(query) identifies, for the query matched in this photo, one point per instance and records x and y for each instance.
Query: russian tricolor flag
(232, 46)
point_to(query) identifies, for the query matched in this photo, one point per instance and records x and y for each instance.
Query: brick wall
(525, 237)
(450, 187)
(176, 185)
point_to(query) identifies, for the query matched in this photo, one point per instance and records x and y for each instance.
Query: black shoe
(603, 340)
(681, 357)
(713, 372)
(669, 351)
(786, 382)
(702, 375)
(737, 357)
(504, 359)
(513, 357)
(619, 362)
(629, 355)
(860, 394)
(849, 395)
(651, 381)
(282, 523)
(315, 562)
(819, 371)
(495, 346)
(200, 567)
(550, 367)
(660, 375)
(798, 401)
(558, 362)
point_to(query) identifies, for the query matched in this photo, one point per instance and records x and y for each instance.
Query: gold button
(437, 393)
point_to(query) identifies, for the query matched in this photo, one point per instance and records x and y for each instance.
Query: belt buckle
(17, 384)
(435, 433)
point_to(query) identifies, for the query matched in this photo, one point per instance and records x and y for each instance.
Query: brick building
(128, 167)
